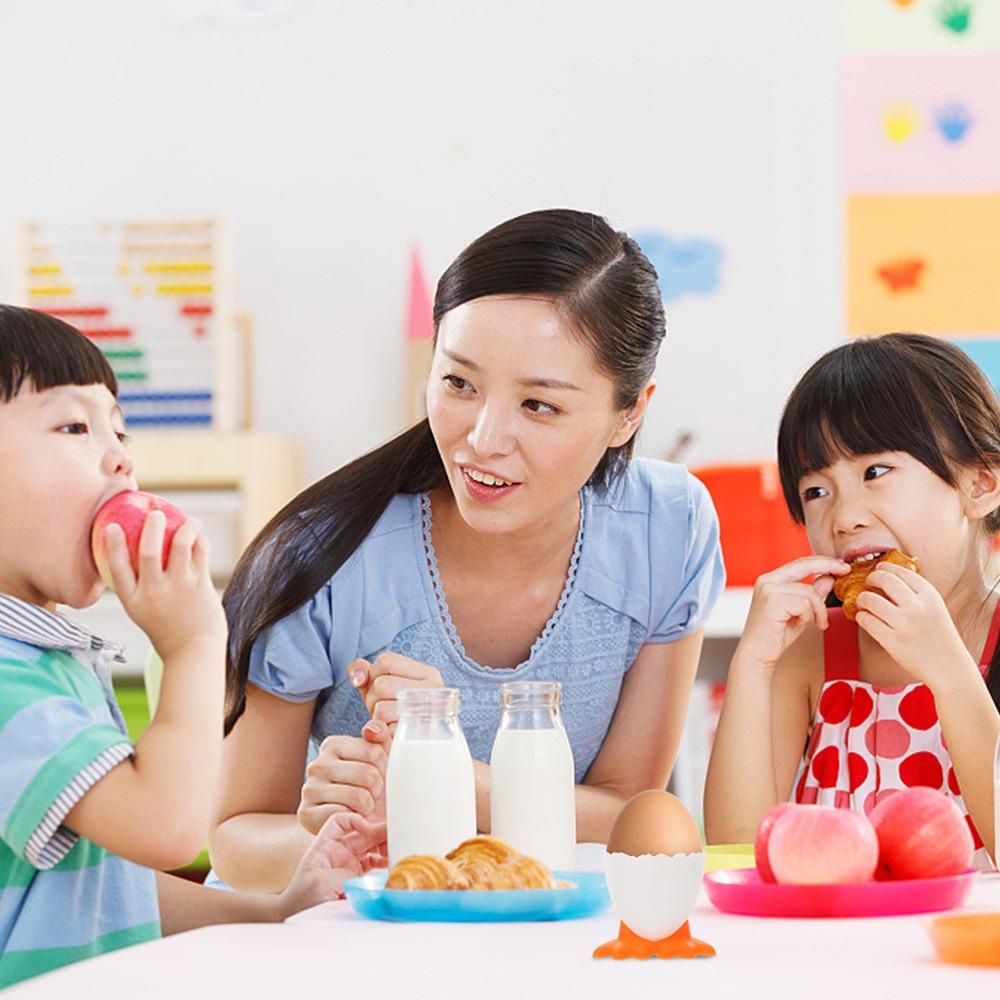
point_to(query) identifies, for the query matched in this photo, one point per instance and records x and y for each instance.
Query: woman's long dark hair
(45, 351)
(606, 289)
(900, 392)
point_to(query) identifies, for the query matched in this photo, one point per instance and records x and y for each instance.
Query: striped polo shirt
(62, 898)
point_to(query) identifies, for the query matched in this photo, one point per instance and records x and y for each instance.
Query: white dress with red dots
(869, 741)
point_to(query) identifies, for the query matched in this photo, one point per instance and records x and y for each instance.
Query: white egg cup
(654, 893)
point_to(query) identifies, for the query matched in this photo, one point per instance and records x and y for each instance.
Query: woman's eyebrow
(548, 383)
(534, 383)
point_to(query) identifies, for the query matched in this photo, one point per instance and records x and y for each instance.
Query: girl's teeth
(869, 557)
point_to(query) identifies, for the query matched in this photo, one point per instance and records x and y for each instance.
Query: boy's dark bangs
(47, 352)
(849, 405)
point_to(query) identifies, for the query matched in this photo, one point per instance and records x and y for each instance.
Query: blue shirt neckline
(438, 600)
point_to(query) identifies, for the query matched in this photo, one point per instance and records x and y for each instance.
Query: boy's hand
(380, 681)
(176, 607)
(348, 775)
(783, 605)
(346, 845)
(910, 621)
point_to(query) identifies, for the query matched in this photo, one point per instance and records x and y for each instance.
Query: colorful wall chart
(921, 104)
(150, 294)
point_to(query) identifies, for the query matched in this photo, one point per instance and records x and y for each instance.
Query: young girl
(506, 537)
(889, 442)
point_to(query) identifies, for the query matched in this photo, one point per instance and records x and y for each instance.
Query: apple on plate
(922, 834)
(762, 838)
(130, 509)
(816, 845)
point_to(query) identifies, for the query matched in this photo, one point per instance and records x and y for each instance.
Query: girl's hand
(348, 775)
(783, 605)
(176, 607)
(910, 621)
(345, 846)
(380, 681)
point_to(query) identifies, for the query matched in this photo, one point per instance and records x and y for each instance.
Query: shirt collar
(39, 627)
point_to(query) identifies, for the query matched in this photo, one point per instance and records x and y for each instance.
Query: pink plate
(741, 890)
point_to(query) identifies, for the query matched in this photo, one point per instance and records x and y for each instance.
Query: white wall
(335, 134)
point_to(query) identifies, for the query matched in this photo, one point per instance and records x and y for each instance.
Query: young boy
(86, 816)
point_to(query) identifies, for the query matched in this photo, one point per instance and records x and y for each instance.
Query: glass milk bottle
(430, 788)
(532, 787)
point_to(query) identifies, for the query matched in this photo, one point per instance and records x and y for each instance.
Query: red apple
(130, 509)
(818, 845)
(921, 834)
(761, 841)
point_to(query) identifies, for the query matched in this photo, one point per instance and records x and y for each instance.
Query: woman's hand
(784, 604)
(345, 846)
(911, 622)
(347, 776)
(380, 681)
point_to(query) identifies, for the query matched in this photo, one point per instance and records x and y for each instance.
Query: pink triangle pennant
(420, 313)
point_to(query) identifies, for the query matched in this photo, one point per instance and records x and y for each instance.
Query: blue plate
(370, 898)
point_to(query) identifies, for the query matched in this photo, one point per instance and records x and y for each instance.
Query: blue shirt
(647, 567)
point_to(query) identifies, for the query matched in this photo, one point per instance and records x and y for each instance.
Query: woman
(508, 536)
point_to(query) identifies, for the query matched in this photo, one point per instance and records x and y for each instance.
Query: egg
(654, 822)
(654, 864)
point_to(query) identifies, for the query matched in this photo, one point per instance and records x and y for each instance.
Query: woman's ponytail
(307, 541)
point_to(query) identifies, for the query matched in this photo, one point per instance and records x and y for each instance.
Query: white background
(335, 133)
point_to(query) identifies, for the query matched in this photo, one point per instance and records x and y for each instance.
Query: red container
(758, 533)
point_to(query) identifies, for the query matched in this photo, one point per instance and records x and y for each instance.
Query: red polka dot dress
(869, 741)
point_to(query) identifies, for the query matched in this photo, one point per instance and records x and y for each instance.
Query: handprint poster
(921, 107)
(923, 123)
(922, 25)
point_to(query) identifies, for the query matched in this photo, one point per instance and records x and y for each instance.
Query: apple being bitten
(819, 845)
(921, 834)
(129, 510)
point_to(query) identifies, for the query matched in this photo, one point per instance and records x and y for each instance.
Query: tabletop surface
(330, 951)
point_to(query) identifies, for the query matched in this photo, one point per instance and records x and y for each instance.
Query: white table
(329, 952)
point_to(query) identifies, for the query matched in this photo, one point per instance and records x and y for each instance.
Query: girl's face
(62, 454)
(869, 503)
(520, 414)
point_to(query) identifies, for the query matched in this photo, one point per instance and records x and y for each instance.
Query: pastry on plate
(425, 871)
(478, 863)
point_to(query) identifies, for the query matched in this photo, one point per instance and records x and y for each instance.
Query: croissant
(425, 871)
(847, 588)
(478, 863)
(482, 849)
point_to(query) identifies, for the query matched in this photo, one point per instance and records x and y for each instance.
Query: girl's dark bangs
(853, 405)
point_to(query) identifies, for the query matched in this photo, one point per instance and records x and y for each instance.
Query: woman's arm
(640, 747)
(256, 841)
(642, 742)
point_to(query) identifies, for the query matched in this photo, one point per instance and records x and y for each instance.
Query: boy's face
(61, 457)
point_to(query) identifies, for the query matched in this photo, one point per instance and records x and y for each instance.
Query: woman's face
(520, 413)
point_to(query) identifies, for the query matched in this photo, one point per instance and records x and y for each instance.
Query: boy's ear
(983, 491)
(630, 419)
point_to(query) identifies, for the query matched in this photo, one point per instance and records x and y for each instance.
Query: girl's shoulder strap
(991, 639)
(840, 648)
